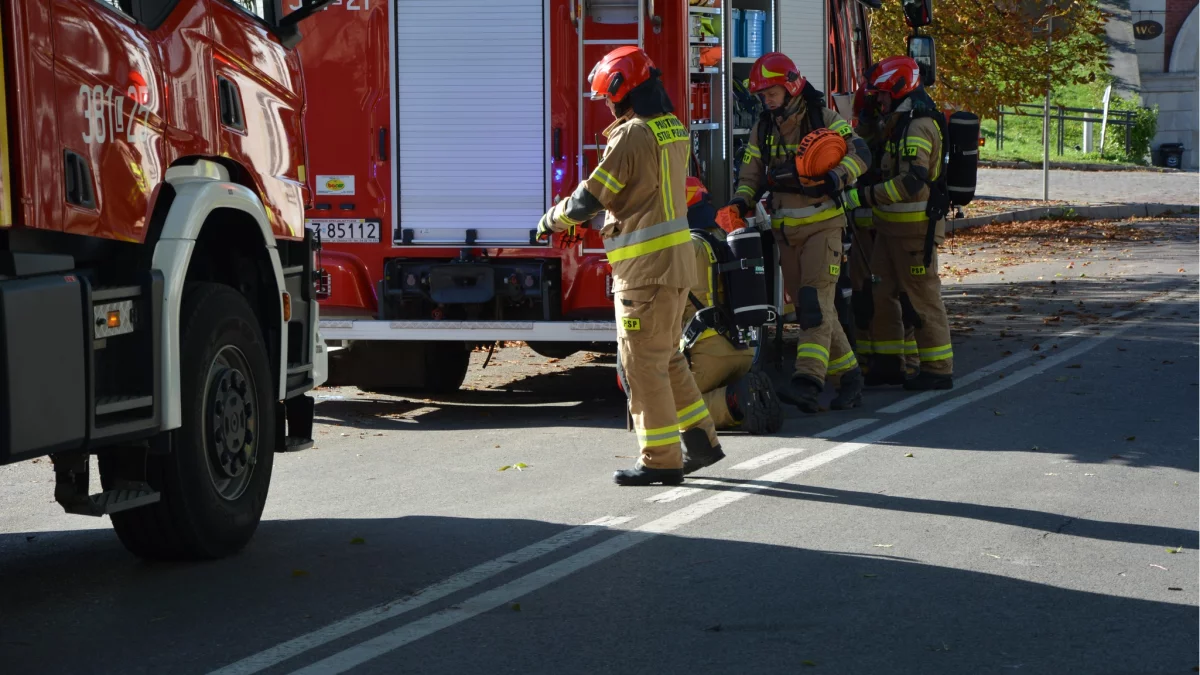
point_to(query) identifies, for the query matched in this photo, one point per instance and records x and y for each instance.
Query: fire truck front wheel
(214, 480)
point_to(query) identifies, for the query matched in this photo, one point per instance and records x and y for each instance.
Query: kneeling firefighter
(717, 339)
(909, 206)
(788, 156)
(868, 124)
(640, 182)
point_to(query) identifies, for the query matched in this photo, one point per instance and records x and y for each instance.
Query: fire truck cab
(441, 130)
(157, 307)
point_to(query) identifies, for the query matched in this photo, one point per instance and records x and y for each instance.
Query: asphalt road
(1041, 517)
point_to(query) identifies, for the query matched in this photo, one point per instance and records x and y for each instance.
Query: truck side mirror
(918, 13)
(287, 26)
(921, 49)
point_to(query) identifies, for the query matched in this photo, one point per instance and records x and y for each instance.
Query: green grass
(1023, 134)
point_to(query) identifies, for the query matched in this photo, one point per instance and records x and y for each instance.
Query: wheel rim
(231, 434)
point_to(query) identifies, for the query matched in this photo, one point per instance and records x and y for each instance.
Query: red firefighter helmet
(695, 191)
(773, 69)
(615, 75)
(897, 76)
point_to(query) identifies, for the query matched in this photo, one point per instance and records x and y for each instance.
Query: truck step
(129, 496)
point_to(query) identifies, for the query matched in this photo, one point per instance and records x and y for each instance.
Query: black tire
(446, 366)
(554, 350)
(206, 511)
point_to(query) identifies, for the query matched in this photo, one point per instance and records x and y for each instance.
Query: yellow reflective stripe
(864, 347)
(692, 414)
(753, 151)
(808, 220)
(668, 198)
(812, 350)
(746, 190)
(851, 169)
(608, 180)
(847, 362)
(647, 239)
(937, 353)
(890, 188)
(910, 347)
(671, 439)
(919, 142)
(652, 246)
(893, 217)
(842, 127)
(889, 347)
(560, 214)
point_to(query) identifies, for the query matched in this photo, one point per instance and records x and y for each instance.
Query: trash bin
(1170, 155)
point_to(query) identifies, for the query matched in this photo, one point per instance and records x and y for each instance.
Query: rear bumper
(470, 331)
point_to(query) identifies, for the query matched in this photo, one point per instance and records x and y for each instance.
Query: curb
(1085, 212)
(1074, 166)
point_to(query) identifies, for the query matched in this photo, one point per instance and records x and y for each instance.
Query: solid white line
(768, 458)
(678, 493)
(843, 429)
(472, 607)
(990, 369)
(965, 380)
(282, 652)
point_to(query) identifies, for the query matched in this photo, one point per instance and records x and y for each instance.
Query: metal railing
(1062, 115)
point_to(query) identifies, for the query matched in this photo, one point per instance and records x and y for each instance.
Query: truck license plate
(346, 230)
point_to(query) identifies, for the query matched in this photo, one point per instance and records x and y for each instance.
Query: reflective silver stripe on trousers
(645, 234)
(805, 212)
(909, 207)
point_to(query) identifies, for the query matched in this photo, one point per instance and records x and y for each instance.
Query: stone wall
(1168, 71)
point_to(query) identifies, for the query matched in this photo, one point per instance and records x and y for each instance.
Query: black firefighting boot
(642, 476)
(926, 380)
(698, 452)
(754, 404)
(802, 393)
(849, 393)
(886, 369)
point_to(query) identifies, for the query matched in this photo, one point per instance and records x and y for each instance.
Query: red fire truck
(157, 301)
(440, 130)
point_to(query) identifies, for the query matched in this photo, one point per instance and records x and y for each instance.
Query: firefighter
(905, 253)
(808, 220)
(868, 122)
(640, 183)
(736, 398)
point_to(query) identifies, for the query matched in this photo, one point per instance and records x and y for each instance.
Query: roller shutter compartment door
(470, 88)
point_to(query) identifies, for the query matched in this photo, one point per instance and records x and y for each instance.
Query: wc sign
(1147, 30)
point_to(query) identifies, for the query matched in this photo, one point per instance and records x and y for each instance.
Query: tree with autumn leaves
(992, 53)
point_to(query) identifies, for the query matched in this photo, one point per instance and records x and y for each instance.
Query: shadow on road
(714, 605)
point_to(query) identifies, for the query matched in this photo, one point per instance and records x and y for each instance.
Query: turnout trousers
(814, 253)
(716, 364)
(664, 401)
(899, 261)
(867, 343)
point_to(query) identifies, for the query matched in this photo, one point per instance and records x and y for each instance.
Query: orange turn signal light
(287, 307)
(114, 319)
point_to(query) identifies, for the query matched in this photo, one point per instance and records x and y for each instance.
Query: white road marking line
(678, 493)
(282, 652)
(990, 369)
(489, 600)
(768, 458)
(843, 429)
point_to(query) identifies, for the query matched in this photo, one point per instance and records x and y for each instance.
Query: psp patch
(835, 270)
(917, 270)
(631, 324)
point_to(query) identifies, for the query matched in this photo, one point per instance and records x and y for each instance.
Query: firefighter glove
(855, 197)
(544, 228)
(730, 217)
